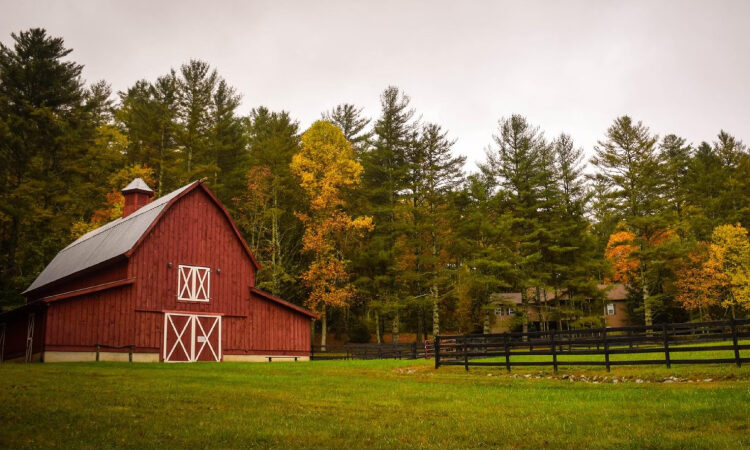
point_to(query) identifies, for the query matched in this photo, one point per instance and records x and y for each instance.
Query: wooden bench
(270, 358)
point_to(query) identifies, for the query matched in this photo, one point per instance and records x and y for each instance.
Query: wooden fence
(552, 348)
(406, 350)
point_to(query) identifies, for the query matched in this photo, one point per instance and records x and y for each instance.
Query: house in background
(505, 309)
(173, 278)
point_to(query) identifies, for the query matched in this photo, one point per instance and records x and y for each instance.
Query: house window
(193, 283)
(610, 309)
(503, 311)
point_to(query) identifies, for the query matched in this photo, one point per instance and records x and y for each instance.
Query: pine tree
(352, 123)
(49, 125)
(434, 172)
(196, 86)
(520, 165)
(273, 139)
(629, 166)
(228, 143)
(384, 179)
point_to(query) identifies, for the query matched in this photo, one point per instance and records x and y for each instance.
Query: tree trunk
(312, 332)
(394, 330)
(275, 246)
(648, 319)
(377, 326)
(434, 289)
(323, 330)
(420, 324)
(486, 329)
(525, 311)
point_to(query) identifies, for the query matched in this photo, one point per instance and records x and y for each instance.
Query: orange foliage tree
(325, 166)
(620, 252)
(699, 284)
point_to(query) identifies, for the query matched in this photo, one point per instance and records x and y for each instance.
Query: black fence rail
(665, 343)
(406, 350)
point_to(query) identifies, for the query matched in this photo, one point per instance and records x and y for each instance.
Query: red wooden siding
(82, 322)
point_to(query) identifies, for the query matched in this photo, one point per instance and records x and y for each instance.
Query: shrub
(359, 332)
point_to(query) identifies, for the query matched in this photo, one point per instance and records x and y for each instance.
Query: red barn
(172, 280)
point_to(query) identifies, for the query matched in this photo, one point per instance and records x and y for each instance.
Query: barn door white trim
(194, 337)
(193, 283)
(204, 338)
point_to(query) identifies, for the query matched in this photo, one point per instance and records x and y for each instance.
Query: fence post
(466, 354)
(414, 350)
(606, 349)
(436, 349)
(630, 339)
(507, 351)
(312, 351)
(554, 350)
(735, 344)
(130, 354)
(97, 352)
(666, 346)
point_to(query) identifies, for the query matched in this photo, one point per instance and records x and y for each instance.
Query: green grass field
(382, 404)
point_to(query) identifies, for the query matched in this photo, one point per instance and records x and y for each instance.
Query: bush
(359, 332)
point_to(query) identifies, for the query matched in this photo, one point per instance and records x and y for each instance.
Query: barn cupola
(136, 194)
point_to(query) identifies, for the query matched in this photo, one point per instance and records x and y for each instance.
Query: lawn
(382, 404)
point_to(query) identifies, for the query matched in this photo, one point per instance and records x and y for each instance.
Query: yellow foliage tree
(729, 258)
(325, 166)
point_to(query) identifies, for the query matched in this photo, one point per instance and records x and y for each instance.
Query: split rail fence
(666, 344)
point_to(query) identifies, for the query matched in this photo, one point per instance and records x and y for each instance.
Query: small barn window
(193, 283)
(610, 311)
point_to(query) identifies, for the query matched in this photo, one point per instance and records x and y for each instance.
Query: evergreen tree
(384, 179)
(629, 166)
(520, 167)
(272, 139)
(352, 123)
(228, 142)
(196, 86)
(48, 133)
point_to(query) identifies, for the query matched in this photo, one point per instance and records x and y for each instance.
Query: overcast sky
(680, 67)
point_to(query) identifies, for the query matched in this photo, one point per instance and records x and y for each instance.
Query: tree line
(375, 222)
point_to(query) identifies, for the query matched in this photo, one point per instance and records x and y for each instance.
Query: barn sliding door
(191, 337)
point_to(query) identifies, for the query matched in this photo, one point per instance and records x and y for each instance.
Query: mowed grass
(364, 404)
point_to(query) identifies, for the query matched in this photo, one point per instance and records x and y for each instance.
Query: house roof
(613, 292)
(117, 239)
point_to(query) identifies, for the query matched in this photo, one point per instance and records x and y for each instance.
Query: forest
(375, 222)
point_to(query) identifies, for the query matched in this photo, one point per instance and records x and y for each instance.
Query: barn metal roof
(105, 243)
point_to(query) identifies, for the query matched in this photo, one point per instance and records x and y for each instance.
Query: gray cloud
(681, 67)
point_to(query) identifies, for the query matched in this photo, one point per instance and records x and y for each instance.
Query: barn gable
(115, 240)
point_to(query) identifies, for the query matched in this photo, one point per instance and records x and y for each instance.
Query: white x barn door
(191, 337)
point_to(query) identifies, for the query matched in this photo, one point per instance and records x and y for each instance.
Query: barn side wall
(80, 323)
